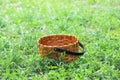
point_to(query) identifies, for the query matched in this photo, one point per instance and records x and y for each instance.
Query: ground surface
(95, 22)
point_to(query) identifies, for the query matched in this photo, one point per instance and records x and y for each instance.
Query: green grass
(96, 23)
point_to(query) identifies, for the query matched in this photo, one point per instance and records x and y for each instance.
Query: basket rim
(58, 35)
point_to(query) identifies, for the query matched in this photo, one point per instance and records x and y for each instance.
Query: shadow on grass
(45, 65)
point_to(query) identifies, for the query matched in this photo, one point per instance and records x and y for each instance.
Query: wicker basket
(54, 46)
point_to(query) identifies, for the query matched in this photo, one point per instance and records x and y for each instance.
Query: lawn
(96, 23)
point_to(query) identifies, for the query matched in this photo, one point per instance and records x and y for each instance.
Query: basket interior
(58, 40)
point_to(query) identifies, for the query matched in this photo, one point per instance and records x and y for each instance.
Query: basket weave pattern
(47, 44)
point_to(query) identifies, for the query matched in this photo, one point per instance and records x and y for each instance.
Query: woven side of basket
(49, 52)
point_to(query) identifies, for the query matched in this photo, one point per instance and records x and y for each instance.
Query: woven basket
(53, 46)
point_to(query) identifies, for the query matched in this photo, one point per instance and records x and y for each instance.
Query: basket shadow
(45, 65)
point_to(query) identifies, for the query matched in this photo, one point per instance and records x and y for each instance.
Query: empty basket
(55, 46)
